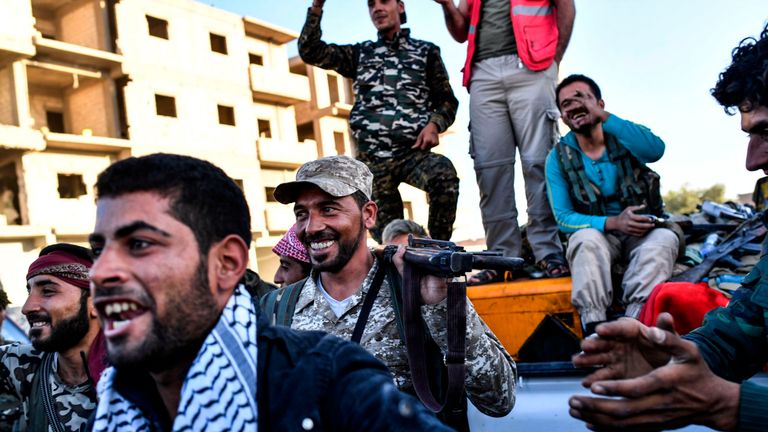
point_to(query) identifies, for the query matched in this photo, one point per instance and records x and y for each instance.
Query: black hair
(201, 195)
(570, 79)
(361, 199)
(745, 81)
(4, 302)
(71, 249)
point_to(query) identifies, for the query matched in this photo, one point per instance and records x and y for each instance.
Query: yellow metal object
(514, 309)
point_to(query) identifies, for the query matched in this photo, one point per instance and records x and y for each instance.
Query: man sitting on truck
(604, 196)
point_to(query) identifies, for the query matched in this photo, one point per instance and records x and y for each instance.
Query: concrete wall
(7, 99)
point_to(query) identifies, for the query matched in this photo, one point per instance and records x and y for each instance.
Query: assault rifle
(444, 259)
(744, 233)
(447, 259)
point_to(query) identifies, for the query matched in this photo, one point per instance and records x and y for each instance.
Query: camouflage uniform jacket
(734, 342)
(401, 85)
(18, 366)
(491, 372)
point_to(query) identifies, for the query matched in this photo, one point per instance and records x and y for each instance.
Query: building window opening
(338, 139)
(305, 132)
(157, 27)
(226, 115)
(265, 129)
(333, 88)
(165, 105)
(255, 59)
(218, 43)
(71, 186)
(55, 121)
(10, 209)
(270, 194)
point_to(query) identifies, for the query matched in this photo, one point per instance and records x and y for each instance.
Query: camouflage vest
(638, 184)
(392, 95)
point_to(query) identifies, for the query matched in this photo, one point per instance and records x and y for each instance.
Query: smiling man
(50, 378)
(654, 379)
(189, 348)
(606, 199)
(333, 210)
(403, 101)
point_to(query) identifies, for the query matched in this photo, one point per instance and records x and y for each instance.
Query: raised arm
(456, 18)
(566, 13)
(313, 50)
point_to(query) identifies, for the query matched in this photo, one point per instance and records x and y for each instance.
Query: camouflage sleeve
(312, 49)
(732, 340)
(442, 102)
(9, 361)
(491, 372)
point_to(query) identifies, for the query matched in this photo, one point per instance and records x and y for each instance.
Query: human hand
(317, 5)
(433, 289)
(683, 391)
(630, 223)
(623, 349)
(428, 137)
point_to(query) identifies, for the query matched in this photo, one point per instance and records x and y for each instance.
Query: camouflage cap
(337, 175)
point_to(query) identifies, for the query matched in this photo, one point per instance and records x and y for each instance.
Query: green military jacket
(734, 343)
(400, 86)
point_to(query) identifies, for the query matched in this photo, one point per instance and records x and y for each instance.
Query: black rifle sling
(45, 371)
(456, 325)
(370, 297)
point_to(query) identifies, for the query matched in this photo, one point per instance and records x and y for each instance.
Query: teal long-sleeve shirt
(638, 139)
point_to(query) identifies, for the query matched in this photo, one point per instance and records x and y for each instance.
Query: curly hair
(745, 81)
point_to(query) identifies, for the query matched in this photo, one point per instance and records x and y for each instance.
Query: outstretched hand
(629, 222)
(660, 379)
(434, 289)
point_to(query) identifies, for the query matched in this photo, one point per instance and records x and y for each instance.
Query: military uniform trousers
(431, 172)
(591, 254)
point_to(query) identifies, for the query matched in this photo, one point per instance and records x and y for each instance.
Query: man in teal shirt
(655, 379)
(599, 190)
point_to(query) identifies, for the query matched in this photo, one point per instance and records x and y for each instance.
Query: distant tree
(685, 200)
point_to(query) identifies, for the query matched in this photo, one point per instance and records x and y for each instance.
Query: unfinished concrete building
(86, 82)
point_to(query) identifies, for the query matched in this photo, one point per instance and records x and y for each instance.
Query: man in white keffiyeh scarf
(219, 392)
(171, 244)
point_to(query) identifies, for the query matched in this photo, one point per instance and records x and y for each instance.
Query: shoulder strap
(370, 297)
(279, 305)
(586, 196)
(43, 374)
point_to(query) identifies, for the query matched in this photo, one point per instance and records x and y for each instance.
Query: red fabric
(97, 357)
(70, 268)
(535, 35)
(686, 302)
(290, 246)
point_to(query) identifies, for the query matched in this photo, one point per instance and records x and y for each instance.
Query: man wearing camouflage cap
(333, 209)
(403, 101)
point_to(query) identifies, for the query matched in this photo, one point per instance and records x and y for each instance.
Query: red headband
(65, 266)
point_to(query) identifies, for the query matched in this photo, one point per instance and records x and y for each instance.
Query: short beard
(179, 335)
(68, 332)
(346, 251)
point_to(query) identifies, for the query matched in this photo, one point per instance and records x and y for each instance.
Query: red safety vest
(535, 25)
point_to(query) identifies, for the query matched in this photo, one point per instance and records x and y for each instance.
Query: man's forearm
(455, 21)
(442, 101)
(566, 13)
(314, 51)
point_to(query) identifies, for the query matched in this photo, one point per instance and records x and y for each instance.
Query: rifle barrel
(480, 262)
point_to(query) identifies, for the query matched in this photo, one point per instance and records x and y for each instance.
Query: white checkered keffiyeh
(219, 392)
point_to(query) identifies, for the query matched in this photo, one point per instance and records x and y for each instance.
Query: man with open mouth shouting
(50, 378)
(189, 348)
